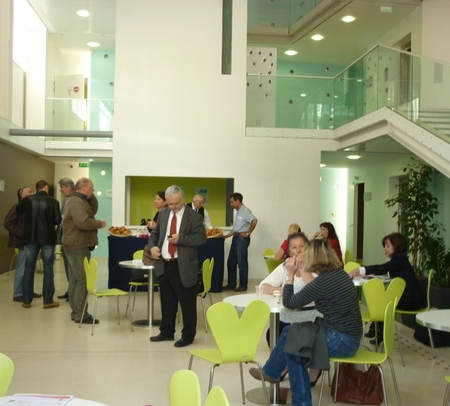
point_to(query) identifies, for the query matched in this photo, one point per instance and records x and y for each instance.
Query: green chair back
(268, 251)
(216, 397)
(388, 330)
(350, 266)
(184, 389)
(6, 373)
(91, 271)
(272, 264)
(425, 309)
(377, 298)
(237, 338)
(138, 254)
(207, 275)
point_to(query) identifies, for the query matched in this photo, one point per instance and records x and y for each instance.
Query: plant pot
(440, 297)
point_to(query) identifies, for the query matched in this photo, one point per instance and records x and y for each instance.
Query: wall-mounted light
(93, 44)
(99, 193)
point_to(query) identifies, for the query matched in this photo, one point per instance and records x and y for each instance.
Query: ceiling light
(353, 157)
(83, 13)
(303, 95)
(291, 52)
(93, 44)
(348, 19)
(317, 37)
(323, 165)
(386, 9)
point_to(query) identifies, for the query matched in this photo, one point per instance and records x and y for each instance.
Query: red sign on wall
(76, 89)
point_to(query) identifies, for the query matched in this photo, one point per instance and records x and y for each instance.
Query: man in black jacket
(42, 215)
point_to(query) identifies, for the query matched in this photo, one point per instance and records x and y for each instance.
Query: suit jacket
(191, 235)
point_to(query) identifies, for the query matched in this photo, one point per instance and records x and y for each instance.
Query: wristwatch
(289, 279)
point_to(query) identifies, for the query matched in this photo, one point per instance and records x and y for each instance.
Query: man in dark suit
(173, 245)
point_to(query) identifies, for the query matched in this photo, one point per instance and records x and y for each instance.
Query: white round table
(133, 264)
(435, 319)
(74, 402)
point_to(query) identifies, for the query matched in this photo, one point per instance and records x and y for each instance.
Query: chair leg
(399, 344)
(321, 385)
(211, 377)
(118, 313)
(431, 343)
(131, 316)
(128, 301)
(210, 298)
(263, 383)
(134, 297)
(204, 314)
(394, 379)
(242, 382)
(190, 362)
(84, 310)
(336, 372)
(446, 395)
(95, 314)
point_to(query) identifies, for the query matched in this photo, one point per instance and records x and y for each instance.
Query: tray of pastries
(214, 233)
(120, 231)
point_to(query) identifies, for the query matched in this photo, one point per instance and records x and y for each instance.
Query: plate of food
(214, 232)
(119, 231)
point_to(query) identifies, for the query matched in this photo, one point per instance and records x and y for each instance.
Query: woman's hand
(354, 273)
(291, 265)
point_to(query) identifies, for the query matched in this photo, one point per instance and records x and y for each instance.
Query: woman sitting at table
(160, 203)
(413, 298)
(328, 232)
(297, 243)
(335, 297)
(283, 251)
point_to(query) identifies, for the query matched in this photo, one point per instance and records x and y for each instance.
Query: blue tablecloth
(123, 248)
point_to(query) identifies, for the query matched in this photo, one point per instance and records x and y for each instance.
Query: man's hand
(173, 239)
(103, 223)
(354, 273)
(244, 234)
(155, 252)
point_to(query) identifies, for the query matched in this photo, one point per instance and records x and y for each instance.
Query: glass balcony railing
(79, 114)
(413, 86)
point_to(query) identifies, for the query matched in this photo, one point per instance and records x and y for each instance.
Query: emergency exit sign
(83, 165)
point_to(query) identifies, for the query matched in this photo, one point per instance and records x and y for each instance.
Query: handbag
(358, 387)
(146, 257)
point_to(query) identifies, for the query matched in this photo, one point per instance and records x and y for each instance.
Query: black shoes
(256, 373)
(87, 320)
(227, 287)
(313, 383)
(371, 332)
(160, 337)
(183, 342)
(65, 296)
(241, 289)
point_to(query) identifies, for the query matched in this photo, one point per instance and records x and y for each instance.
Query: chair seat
(209, 354)
(400, 311)
(138, 283)
(363, 357)
(111, 292)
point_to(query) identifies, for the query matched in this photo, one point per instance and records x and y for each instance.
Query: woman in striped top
(335, 297)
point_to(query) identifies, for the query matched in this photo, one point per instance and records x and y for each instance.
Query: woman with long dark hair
(328, 232)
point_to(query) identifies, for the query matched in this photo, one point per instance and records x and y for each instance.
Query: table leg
(277, 395)
(150, 320)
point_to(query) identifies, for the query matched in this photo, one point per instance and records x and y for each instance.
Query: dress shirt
(165, 247)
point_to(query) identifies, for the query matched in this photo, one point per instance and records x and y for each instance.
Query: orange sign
(76, 89)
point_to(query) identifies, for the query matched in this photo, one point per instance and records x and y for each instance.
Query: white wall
(175, 114)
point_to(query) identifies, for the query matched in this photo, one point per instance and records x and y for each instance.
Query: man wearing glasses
(173, 245)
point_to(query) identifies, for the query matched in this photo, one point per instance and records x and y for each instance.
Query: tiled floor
(119, 368)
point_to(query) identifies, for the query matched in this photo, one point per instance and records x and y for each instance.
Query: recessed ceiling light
(353, 157)
(348, 19)
(83, 13)
(93, 44)
(323, 165)
(317, 37)
(291, 52)
(386, 9)
(303, 95)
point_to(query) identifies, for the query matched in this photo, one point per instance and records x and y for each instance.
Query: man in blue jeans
(42, 215)
(244, 224)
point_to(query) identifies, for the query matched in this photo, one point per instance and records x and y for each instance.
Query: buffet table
(123, 248)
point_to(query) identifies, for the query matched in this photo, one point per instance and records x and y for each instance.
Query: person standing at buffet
(173, 245)
(160, 203)
(197, 205)
(79, 238)
(243, 225)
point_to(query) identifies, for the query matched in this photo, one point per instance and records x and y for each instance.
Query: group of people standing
(35, 225)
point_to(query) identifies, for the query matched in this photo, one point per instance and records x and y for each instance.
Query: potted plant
(416, 208)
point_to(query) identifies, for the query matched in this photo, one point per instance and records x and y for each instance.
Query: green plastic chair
(425, 309)
(377, 298)
(6, 373)
(91, 271)
(447, 392)
(184, 389)
(270, 262)
(137, 255)
(207, 271)
(350, 266)
(367, 357)
(237, 338)
(216, 397)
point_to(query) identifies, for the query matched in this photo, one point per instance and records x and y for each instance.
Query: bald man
(197, 205)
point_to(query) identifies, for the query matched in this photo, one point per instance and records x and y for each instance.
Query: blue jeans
(48, 257)
(238, 257)
(339, 345)
(18, 273)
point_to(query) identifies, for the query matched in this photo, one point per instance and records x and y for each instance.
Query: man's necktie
(173, 230)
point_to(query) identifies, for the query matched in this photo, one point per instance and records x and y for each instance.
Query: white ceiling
(343, 42)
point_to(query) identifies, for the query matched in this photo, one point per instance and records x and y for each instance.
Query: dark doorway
(359, 222)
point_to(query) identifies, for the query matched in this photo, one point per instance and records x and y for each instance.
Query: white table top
(135, 265)
(359, 280)
(435, 319)
(74, 402)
